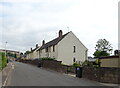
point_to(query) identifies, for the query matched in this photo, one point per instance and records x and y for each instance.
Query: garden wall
(102, 74)
(54, 65)
(51, 64)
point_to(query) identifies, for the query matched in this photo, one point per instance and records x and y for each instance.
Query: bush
(92, 64)
(76, 65)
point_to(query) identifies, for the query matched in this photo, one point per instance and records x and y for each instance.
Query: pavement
(0, 79)
(4, 75)
(28, 75)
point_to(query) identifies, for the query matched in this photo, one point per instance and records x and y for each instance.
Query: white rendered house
(66, 48)
(34, 53)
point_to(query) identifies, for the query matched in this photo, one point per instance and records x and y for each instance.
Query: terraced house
(66, 48)
(33, 53)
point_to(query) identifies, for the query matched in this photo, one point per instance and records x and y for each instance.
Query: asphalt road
(28, 75)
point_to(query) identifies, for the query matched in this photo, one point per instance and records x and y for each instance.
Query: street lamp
(5, 48)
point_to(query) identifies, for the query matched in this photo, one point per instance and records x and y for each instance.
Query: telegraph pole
(5, 48)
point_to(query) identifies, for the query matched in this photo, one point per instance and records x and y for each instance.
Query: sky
(25, 23)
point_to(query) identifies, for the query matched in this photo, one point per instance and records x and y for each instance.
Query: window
(53, 48)
(47, 49)
(74, 49)
(74, 60)
(40, 51)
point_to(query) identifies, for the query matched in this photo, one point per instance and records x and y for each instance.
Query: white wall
(35, 54)
(50, 53)
(65, 50)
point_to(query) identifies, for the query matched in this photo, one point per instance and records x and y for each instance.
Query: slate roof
(105, 57)
(53, 42)
(34, 49)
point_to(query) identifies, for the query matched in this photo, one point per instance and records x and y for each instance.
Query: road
(28, 75)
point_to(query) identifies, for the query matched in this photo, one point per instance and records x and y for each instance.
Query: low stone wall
(54, 65)
(50, 64)
(102, 74)
(33, 62)
(72, 69)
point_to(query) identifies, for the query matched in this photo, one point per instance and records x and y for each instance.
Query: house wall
(28, 56)
(55, 53)
(50, 52)
(66, 48)
(35, 54)
(109, 62)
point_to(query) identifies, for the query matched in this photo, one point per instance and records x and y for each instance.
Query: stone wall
(54, 65)
(50, 64)
(102, 74)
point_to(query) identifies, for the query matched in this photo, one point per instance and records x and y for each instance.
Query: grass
(3, 60)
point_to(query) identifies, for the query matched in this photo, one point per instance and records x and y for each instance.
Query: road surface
(28, 75)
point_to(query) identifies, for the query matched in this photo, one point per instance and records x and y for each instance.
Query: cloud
(27, 22)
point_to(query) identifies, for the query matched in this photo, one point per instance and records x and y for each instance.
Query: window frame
(74, 49)
(53, 48)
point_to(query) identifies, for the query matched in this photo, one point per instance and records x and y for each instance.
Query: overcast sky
(24, 23)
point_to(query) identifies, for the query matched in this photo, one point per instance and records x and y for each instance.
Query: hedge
(3, 60)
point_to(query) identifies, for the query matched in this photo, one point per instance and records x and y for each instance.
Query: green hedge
(3, 60)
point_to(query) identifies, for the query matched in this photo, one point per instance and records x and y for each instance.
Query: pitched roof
(53, 42)
(106, 57)
(36, 48)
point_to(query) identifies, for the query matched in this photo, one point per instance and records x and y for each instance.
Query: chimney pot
(60, 33)
(43, 42)
(36, 45)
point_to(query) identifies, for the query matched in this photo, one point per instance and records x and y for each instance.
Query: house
(34, 53)
(66, 48)
(11, 52)
(110, 61)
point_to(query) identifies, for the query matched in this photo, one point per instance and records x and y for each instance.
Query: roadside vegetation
(102, 48)
(3, 61)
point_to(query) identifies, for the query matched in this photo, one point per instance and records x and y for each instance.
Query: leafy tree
(103, 48)
(27, 52)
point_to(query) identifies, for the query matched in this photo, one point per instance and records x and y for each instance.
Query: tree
(27, 52)
(103, 48)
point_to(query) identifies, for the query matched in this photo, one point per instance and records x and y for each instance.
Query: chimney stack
(60, 33)
(36, 45)
(116, 52)
(43, 42)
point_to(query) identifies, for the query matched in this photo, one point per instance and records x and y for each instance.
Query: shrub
(76, 65)
(92, 64)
